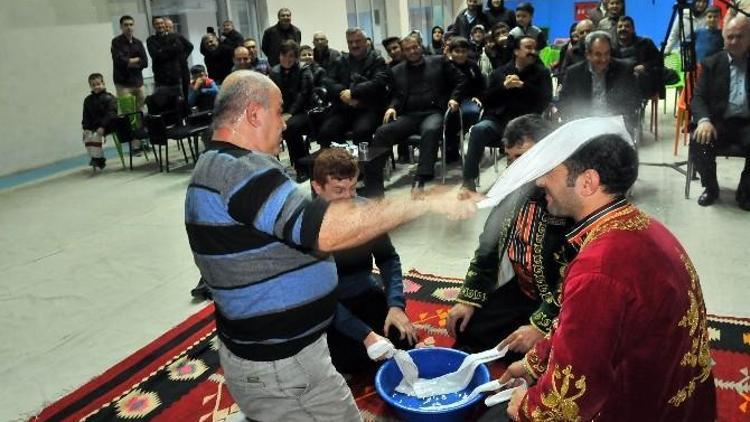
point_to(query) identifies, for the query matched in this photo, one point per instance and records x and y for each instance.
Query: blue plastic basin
(432, 362)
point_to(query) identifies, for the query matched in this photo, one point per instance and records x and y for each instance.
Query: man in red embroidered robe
(630, 343)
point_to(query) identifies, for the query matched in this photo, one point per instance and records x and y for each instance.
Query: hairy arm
(347, 224)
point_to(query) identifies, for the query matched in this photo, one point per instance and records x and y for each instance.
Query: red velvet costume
(630, 343)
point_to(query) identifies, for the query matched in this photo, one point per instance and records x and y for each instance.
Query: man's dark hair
(612, 157)
(409, 38)
(336, 163)
(289, 45)
(526, 126)
(458, 42)
(516, 42)
(304, 47)
(712, 9)
(124, 18)
(628, 19)
(155, 18)
(95, 76)
(525, 7)
(388, 41)
(500, 25)
(283, 9)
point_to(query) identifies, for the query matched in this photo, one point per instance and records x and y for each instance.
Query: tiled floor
(96, 266)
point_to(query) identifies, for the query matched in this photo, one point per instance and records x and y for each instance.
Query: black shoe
(93, 163)
(101, 163)
(201, 291)
(745, 205)
(469, 185)
(707, 198)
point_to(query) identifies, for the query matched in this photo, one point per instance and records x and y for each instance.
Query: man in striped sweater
(262, 247)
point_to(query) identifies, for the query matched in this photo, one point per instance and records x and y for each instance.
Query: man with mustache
(520, 87)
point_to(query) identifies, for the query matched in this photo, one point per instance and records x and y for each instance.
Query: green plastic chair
(549, 56)
(674, 61)
(127, 104)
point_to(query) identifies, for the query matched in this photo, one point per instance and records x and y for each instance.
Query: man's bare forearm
(347, 224)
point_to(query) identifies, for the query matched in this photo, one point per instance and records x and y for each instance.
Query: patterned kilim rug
(177, 377)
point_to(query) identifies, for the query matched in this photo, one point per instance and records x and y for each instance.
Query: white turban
(552, 151)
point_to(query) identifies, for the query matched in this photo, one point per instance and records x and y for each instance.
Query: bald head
(737, 36)
(584, 28)
(240, 90)
(241, 58)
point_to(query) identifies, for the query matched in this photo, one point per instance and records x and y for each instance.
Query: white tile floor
(95, 267)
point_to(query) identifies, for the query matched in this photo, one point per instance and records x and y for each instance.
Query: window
(370, 16)
(424, 14)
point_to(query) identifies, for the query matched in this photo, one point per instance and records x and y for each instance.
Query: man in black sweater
(128, 61)
(275, 35)
(167, 51)
(187, 48)
(423, 86)
(357, 86)
(468, 18)
(325, 56)
(296, 88)
(642, 54)
(520, 87)
(217, 56)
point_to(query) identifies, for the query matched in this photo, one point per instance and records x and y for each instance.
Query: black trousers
(506, 309)
(730, 131)
(297, 126)
(362, 123)
(428, 125)
(350, 356)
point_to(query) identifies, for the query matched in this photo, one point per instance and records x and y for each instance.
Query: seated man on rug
(368, 309)
(630, 342)
(511, 291)
(262, 247)
(721, 109)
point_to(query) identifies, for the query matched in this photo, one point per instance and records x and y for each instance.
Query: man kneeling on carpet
(630, 342)
(367, 309)
(511, 290)
(263, 246)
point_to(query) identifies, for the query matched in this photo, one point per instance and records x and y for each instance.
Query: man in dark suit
(167, 52)
(520, 87)
(468, 18)
(720, 109)
(275, 35)
(642, 54)
(358, 88)
(601, 85)
(423, 86)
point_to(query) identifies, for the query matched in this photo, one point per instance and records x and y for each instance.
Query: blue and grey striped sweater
(253, 233)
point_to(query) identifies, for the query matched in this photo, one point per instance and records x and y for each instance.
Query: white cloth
(381, 349)
(444, 384)
(552, 151)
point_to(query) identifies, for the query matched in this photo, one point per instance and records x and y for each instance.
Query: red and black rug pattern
(177, 377)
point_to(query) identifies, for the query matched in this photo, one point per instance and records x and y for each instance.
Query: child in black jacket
(99, 108)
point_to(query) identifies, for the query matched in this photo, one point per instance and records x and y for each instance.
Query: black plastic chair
(126, 131)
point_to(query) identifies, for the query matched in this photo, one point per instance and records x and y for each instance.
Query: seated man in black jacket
(423, 86)
(520, 87)
(601, 85)
(358, 88)
(296, 87)
(721, 109)
(642, 54)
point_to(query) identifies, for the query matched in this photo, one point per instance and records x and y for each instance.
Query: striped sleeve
(273, 204)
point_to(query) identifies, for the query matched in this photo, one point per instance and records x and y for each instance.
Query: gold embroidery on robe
(695, 321)
(561, 401)
(614, 221)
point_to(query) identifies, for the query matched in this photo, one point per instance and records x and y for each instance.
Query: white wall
(309, 16)
(48, 52)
